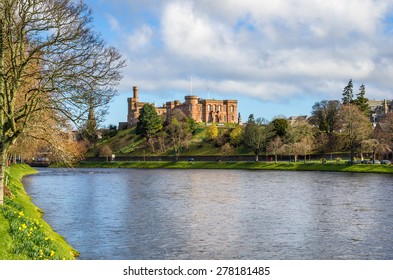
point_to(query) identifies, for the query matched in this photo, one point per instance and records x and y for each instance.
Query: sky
(276, 57)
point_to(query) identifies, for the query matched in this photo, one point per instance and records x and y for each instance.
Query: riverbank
(24, 234)
(284, 166)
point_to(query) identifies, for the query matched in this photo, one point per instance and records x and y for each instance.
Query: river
(165, 214)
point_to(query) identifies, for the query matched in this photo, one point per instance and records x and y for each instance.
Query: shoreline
(280, 166)
(25, 233)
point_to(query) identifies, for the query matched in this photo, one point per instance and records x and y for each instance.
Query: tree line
(334, 126)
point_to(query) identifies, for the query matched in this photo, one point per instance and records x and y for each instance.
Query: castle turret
(191, 109)
(135, 89)
(133, 107)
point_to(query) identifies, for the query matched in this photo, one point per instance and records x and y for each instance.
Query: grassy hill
(128, 143)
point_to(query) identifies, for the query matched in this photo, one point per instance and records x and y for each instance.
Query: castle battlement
(201, 110)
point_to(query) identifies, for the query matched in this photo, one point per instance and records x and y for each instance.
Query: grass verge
(285, 166)
(24, 234)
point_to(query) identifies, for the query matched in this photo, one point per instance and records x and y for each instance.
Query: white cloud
(140, 38)
(113, 22)
(268, 50)
(195, 35)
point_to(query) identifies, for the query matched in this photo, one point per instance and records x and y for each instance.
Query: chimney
(135, 88)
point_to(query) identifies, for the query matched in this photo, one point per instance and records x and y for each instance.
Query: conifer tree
(348, 94)
(361, 101)
(149, 122)
(251, 119)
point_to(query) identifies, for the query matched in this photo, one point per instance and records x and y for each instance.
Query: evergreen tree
(251, 119)
(348, 94)
(280, 127)
(191, 124)
(361, 101)
(149, 122)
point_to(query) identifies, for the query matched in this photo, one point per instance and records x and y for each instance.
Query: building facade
(378, 109)
(201, 110)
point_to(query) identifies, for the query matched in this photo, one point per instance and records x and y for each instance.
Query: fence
(328, 157)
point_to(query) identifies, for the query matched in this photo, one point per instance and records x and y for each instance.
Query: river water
(217, 214)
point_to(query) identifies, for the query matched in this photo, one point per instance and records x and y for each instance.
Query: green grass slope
(128, 143)
(24, 234)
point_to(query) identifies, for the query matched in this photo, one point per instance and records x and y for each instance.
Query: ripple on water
(217, 214)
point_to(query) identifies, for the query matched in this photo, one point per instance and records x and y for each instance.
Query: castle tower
(135, 89)
(133, 107)
(191, 109)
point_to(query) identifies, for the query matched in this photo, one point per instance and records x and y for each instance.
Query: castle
(201, 110)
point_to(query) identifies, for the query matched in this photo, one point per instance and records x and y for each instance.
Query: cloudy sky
(276, 57)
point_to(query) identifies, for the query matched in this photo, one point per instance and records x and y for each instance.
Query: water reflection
(217, 214)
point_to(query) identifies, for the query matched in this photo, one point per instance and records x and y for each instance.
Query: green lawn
(6, 242)
(285, 166)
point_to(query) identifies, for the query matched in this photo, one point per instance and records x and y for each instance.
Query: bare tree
(325, 115)
(106, 152)
(51, 137)
(176, 133)
(354, 127)
(369, 145)
(305, 146)
(301, 138)
(275, 146)
(50, 59)
(384, 130)
(375, 147)
(256, 138)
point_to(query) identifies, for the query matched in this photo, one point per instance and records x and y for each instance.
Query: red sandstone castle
(201, 110)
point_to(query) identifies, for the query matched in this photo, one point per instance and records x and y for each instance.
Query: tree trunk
(2, 150)
(352, 155)
(256, 158)
(3, 165)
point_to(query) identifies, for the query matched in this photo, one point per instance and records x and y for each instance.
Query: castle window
(232, 109)
(219, 108)
(190, 107)
(233, 118)
(214, 108)
(225, 118)
(209, 108)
